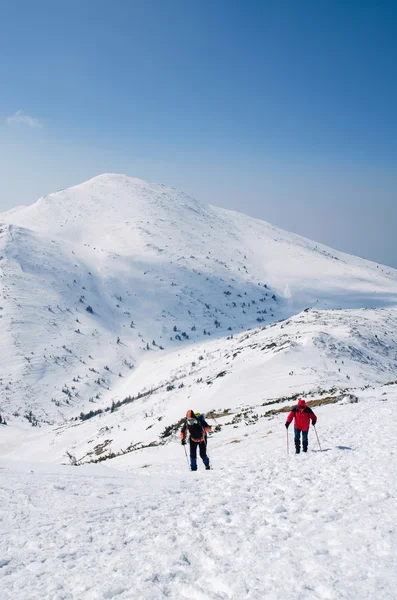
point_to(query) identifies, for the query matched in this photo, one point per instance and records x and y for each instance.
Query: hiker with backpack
(302, 416)
(198, 428)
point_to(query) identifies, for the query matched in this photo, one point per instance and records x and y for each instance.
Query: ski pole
(317, 438)
(210, 416)
(187, 460)
(287, 442)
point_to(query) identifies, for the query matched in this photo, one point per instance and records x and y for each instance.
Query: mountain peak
(104, 199)
(117, 178)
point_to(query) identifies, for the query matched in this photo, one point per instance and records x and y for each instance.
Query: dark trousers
(297, 437)
(193, 453)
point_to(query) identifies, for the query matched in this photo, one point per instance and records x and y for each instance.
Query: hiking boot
(297, 447)
(207, 467)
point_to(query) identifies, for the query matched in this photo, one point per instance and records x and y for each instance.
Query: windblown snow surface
(261, 524)
(192, 307)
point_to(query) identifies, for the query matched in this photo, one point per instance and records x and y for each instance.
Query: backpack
(196, 429)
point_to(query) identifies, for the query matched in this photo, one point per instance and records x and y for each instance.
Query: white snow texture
(122, 305)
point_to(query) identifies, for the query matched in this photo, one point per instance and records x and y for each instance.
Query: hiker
(198, 429)
(302, 415)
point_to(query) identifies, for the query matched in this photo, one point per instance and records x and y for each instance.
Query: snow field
(261, 524)
(161, 270)
(310, 353)
(158, 269)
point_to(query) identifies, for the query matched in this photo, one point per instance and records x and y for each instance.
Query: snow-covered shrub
(349, 399)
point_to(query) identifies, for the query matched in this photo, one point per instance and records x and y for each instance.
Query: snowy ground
(316, 354)
(184, 301)
(261, 524)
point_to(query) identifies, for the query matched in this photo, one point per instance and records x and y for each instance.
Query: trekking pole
(210, 416)
(287, 442)
(317, 438)
(187, 460)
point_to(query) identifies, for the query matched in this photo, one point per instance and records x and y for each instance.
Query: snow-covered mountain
(123, 304)
(109, 278)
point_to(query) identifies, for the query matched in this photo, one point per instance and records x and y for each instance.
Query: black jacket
(197, 430)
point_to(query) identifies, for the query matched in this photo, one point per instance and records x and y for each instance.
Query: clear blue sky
(285, 110)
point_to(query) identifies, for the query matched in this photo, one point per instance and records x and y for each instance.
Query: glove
(183, 442)
(287, 425)
(314, 422)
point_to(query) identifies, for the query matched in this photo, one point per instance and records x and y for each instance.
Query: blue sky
(285, 110)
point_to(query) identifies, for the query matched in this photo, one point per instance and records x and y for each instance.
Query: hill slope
(157, 271)
(241, 381)
(262, 524)
(190, 307)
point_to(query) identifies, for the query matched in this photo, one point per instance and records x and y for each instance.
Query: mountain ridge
(121, 270)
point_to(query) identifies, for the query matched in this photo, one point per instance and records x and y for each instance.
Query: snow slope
(191, 307)
(317, 354)
(160, 272)
(262, 524)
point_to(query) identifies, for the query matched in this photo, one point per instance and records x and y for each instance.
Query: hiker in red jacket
(302, 415)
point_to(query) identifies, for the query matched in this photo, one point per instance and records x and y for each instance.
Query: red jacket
(302, 419)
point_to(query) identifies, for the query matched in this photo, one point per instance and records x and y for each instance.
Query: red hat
(190, 414)
(301, 403)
